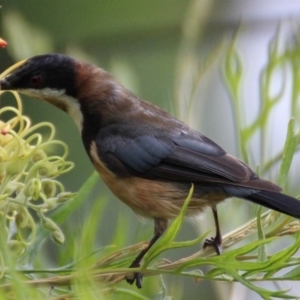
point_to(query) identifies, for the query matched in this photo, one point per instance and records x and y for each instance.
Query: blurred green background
(168, 52)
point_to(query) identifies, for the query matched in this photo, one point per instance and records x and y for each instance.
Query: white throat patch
(59, 99)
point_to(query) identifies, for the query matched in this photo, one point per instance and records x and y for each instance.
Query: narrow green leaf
(262, 249)
(288, 153)
(166, 240)
(294, 274)
(88, 234)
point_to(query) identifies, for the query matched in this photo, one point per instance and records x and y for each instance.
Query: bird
(147, 158)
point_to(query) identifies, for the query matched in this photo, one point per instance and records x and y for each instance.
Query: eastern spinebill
(146, 157)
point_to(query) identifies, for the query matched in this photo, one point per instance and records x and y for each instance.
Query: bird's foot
(135, 277)
(214, 242)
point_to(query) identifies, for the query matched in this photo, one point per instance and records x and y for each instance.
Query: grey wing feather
(177, 158)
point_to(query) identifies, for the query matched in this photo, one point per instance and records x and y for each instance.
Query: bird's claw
(137, 278)
(213, 242)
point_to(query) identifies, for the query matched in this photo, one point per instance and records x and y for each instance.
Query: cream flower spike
(27, 176)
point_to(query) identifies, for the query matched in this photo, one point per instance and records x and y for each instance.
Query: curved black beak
(8, 77)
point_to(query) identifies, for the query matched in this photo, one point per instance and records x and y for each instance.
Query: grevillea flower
(28, 178)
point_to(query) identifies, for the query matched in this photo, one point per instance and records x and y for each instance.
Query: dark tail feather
(277, 201)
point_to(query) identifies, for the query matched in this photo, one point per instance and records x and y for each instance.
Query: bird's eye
(36, 80)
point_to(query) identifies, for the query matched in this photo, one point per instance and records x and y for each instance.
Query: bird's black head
(42, 74)
(88, 94)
